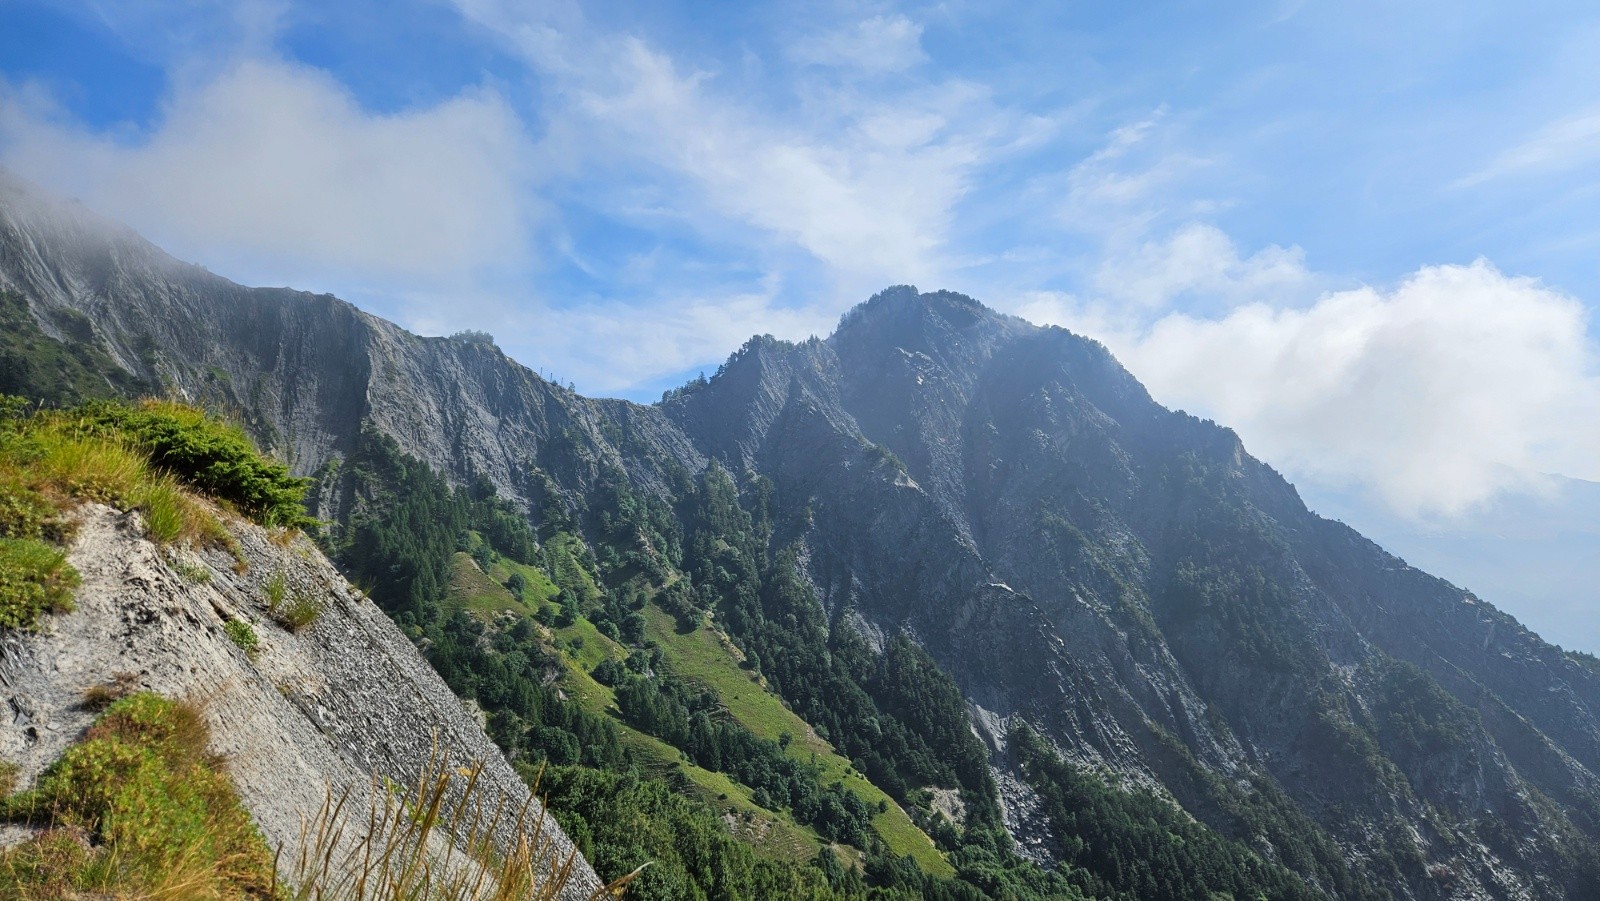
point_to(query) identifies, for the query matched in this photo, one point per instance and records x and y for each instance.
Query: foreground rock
(328, 708)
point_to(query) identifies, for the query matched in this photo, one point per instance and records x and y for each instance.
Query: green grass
(587, 645)
(276, 589)
(707, 657)
(472, 589)
(539, 587)
(161, 817)
(772, 833)
(35, 578)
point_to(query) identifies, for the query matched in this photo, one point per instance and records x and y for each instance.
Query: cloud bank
(1457, 385)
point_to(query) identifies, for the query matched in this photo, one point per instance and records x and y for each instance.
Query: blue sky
(1362, 233)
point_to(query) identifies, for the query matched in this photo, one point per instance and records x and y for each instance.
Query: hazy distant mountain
(1156, 603)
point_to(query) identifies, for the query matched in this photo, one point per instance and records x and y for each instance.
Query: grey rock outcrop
(339, 706)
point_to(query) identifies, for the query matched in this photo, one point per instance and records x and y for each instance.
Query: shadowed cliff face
(1125, 578)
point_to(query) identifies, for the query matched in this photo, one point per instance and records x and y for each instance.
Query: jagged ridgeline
(943, 605)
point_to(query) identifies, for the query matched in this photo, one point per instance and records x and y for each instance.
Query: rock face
(1124, 578)
(306, 371)
(342, 702)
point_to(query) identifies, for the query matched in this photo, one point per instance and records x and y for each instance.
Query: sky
(1363, 234)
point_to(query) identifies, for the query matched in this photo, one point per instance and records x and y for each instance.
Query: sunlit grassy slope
(707, 657)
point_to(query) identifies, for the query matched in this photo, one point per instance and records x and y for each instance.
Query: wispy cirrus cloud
(865, 182)
(1560, 145)
(882, 43)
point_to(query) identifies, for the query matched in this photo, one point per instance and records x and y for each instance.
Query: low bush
(213, 456)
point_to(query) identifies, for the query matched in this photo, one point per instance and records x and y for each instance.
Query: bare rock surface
(344, 701)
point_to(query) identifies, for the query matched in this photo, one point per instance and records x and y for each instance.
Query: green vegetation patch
(36, 365)
(35, 578)
(242, 634)
(209, 454)
(149, 458)
(1136, 846)
(139, 808)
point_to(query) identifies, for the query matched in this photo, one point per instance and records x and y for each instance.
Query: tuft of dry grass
(384, 853)
(99, 697)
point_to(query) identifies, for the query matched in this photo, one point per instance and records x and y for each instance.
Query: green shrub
(25, 512)
(34, 578)
(242, 634)
(214, 456)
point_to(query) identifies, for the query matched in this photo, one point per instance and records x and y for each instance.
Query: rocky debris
(341, 705)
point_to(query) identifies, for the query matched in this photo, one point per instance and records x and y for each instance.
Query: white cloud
(1201, 264)
(275, 167)
(1132, 182)
(866, 183)
(1459, 384)
(878, 44)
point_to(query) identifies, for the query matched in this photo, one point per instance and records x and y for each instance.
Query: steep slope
(343, 705)
(1156, 604)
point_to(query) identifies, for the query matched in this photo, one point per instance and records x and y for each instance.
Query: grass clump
(383, 853)
(35, 578)
(242, 634)
(302, 610)
(140, 809)
(276, 589)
